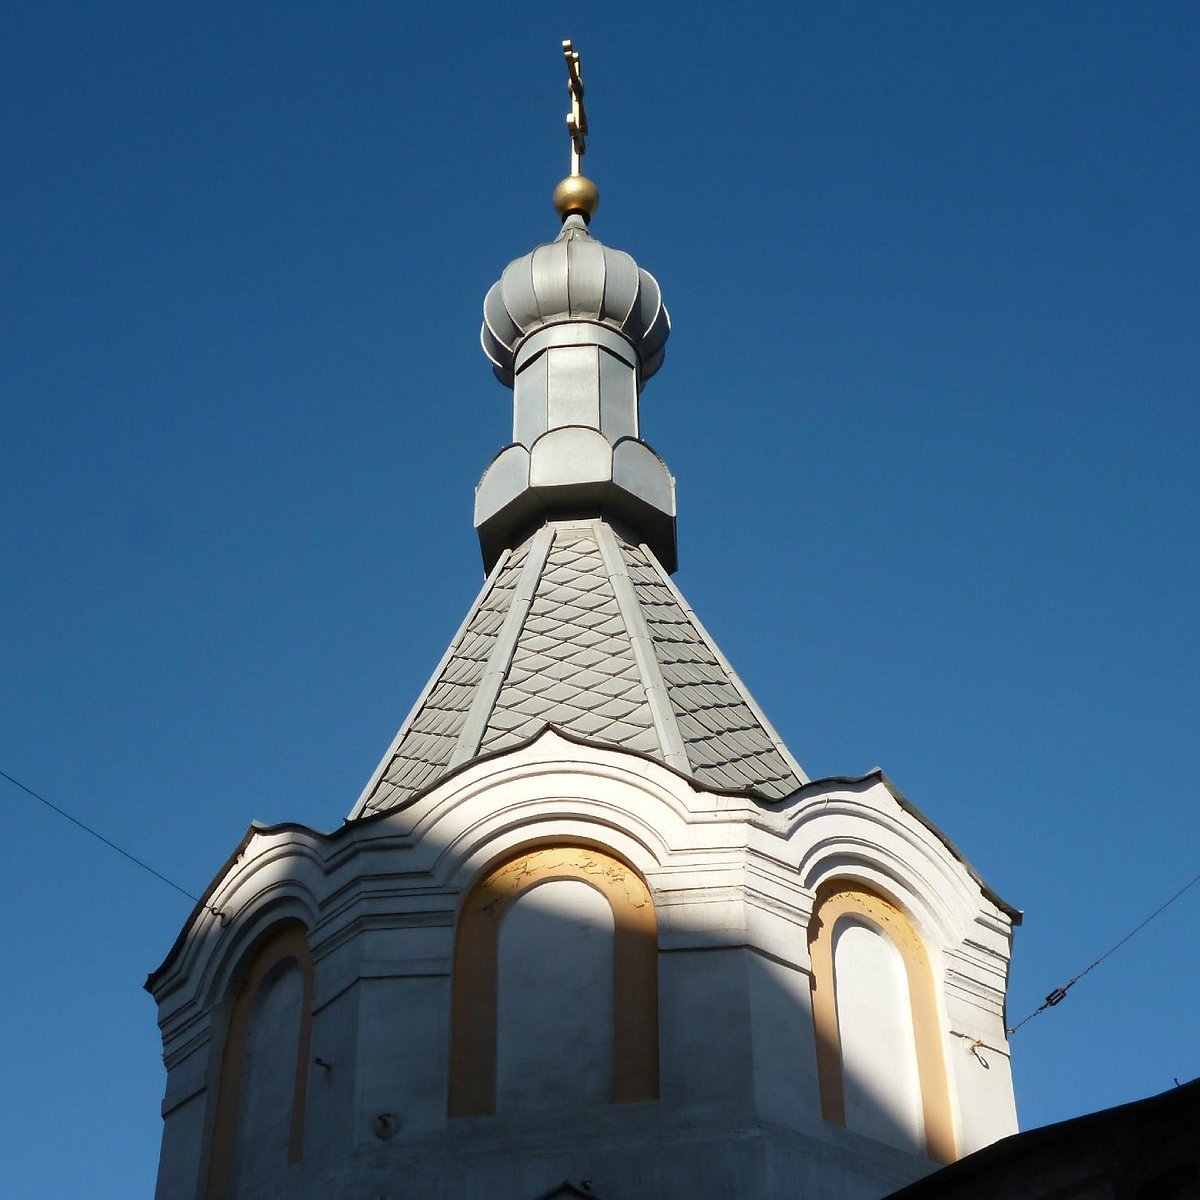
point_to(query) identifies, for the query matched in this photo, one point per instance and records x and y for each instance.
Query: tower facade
(589, 929)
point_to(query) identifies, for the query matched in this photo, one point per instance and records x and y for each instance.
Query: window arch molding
(847, 900)
(285, 941)
(632, 823)
(231, 936)
(845, 839)
(474, 988)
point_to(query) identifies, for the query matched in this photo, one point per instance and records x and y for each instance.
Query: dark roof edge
(255, 827)
(200, 906)
(1093, 1124)
(348, 823)
(877, 774)
(566, 1190)
(579, 740)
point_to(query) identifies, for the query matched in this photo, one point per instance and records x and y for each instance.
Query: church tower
(589, 930)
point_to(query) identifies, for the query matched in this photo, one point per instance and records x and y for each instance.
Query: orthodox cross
(576, 118)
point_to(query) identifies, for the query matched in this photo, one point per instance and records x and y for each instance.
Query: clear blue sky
(931, 399)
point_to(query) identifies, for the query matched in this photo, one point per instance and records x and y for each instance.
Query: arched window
(879, 1044)
(555, 990)
(258, 1128)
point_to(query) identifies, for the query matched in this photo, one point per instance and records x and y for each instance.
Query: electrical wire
(1057, 996)
(1060, 993)
(62, 812)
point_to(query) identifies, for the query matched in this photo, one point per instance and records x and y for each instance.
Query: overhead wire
(1059, 994)
(133, 858)
(1056, 997)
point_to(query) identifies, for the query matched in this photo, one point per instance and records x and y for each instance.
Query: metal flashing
(484, 699)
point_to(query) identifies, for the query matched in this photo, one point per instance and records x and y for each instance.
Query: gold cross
(576, 119)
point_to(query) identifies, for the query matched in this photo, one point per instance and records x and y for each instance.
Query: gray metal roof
(581, 629)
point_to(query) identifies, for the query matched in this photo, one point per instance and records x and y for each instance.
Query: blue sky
(931, 400)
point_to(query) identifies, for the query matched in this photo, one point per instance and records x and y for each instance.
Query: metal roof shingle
(570, 662)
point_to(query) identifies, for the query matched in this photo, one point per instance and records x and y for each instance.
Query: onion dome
(575, 329)
(574, 278)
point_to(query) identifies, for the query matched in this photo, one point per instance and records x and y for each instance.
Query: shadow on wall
(555, 985)
(879, 1039)
(553, 1007)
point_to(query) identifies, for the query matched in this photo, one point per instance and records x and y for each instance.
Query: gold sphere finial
(576, 194)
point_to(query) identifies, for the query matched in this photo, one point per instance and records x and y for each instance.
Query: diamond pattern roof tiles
(569, 660)
(573, 665)
(711, 706)
(427, 739)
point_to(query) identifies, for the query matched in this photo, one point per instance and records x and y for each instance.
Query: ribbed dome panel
(574, 278)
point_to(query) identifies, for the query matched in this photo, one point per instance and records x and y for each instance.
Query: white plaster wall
(784, 1049)
(264, 1113)
(622, 1160)
(704, 1032)
(881, 1086)
(976, 1046)
(554, 1018)
(733, 884)
(981, 1079)
(182, 1154)
(330, 1101)
(862, 833)
(404, 1051)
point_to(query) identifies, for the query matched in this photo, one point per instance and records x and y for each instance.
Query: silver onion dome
(575, 329)
(574, 278)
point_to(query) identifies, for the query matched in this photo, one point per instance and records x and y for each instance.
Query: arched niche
(880, 1063)
(258, 1126)
(554, 998)
(524, 888)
